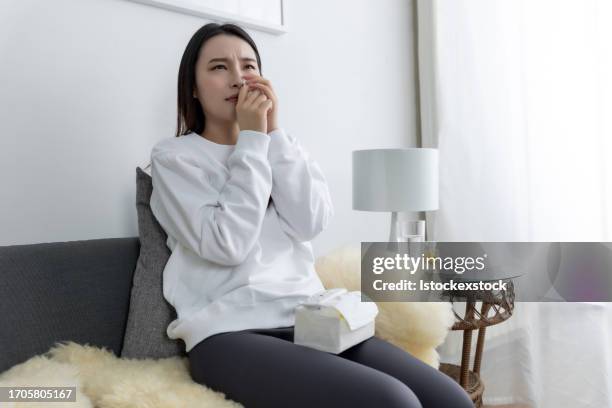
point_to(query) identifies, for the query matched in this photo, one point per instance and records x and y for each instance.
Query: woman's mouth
(233, 100)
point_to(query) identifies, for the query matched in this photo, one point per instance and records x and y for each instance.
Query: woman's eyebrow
(226, 60)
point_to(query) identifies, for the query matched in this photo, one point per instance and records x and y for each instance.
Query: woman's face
(221, 65)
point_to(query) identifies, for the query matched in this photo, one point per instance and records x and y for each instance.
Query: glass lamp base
(406, 230)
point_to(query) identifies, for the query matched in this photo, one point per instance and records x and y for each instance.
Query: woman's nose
(240, 82)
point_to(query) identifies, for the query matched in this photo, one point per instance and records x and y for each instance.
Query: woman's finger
(261, 82)
(262, 97)
(258, 79)
(270, 104)
(265, 89)
(242, 94)
(266, 105)
(252, 95)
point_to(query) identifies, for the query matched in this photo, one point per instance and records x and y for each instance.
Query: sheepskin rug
(42, 371)
(105, 381)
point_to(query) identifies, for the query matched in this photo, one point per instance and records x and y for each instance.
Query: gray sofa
(81, 291)
(76, 290)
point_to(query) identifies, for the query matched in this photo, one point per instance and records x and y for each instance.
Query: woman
(240, 200)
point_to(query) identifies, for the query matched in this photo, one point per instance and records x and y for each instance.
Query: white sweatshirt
(236, 262)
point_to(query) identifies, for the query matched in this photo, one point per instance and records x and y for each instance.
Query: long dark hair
(190, 117)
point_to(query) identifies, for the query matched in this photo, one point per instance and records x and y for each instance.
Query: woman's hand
(251, 109)
(264, 85)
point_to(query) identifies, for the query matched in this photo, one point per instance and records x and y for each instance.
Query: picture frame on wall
(263, 15)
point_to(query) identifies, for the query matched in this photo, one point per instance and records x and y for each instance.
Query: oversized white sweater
(237, 263)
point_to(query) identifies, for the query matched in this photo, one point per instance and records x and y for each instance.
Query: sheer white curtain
(517, 96)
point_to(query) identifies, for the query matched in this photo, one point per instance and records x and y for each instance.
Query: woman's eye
(223, 66)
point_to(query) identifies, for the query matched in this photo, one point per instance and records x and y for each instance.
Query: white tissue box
(326, 328)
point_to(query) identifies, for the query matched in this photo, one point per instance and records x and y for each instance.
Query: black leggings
(264, 368)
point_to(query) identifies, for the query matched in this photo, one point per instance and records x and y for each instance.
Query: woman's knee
(389, 392)
(460, 398)
(445, 392)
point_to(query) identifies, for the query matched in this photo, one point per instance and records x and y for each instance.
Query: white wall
(87, 87)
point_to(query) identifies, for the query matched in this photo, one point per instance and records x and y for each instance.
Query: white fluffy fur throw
(43, 372)
(105, 381)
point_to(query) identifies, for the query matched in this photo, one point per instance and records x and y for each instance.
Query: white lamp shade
(395, 179)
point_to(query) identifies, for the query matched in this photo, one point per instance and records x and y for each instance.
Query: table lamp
(397, 180)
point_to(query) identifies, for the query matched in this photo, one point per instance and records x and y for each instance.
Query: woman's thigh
(263, 370)
(432, 387)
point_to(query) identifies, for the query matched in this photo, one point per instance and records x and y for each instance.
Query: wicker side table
(496, 307)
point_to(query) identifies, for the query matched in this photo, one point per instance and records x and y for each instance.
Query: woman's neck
(226, 134)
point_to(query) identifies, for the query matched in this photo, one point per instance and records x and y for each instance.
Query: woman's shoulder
(172, 145)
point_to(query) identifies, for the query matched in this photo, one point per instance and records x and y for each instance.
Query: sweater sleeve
(299, 188)
(220, 226)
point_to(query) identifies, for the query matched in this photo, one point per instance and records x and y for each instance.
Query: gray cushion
(150, 314)
(64, 291)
